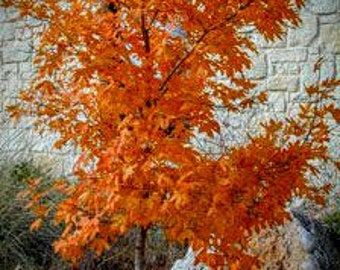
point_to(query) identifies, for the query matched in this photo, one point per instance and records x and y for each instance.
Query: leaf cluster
(129, 83)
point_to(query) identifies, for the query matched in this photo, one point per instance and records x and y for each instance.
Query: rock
(187, 263)
(307, 240)
(319, 242)
(310, 264)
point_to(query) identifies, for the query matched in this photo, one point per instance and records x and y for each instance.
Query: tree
(130, 83)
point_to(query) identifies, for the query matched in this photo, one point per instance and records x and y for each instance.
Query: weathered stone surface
(281, 68)
(308, 76)
(262, 43)
(16, 52)
(310, 264)
(188, 262)
(281, 82)
(329, 19)
(337, 61)
(277, 101)
(1, 103)
(43, 143)
(7, 31)
(322, 7)
(288, 55)
(25, 71)
(306, 239)
(68, 163)
(304, 35)
(11, 14)
(24, 33)
(259, 69)
(13, 140)
(318, 240)
(2, 15)
(294, 68)
(8, 71)
(313, 54)
(327, 70)
(329, 38)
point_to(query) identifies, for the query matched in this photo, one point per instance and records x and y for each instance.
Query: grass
(19, 247)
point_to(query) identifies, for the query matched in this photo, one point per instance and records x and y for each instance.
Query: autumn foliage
(129, 83)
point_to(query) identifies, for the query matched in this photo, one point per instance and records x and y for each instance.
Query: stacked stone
(18, 141)
(285, 67)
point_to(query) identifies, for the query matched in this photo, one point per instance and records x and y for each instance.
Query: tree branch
(162, 88)
(145, 33)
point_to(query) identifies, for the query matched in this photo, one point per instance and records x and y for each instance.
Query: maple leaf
(36, 224)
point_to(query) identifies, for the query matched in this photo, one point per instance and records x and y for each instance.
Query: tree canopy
(129, 82)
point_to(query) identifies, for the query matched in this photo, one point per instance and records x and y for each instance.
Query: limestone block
(328, 19)
(281, 82)
(1, 103)
(13, 140)
(262, 43)
(337, 61)
(294, 68)
(308, 76)
(330, 37)
(313, 54)
(17, 51)
(11, 14)
(2, 15)
(305, 34)
(335, 151)
(43, 143)
(7, 31)
(11, 88)
(280, 68)
(8, 71)
(68, 163)
(295, 98)
(327, 70)
(24, 33)
(9, 123)
(322, 7)
(259, 69)
(288, 55)
(277, 101)
(25, 71)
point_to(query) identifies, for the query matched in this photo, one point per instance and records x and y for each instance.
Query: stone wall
(283, 67)
(18, 141)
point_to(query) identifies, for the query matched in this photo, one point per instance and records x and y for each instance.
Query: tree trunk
(140, 248)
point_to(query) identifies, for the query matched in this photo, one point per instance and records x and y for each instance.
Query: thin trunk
(140, 248)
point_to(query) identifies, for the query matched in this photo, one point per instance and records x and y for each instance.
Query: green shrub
(19, 247)
(333, 221)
